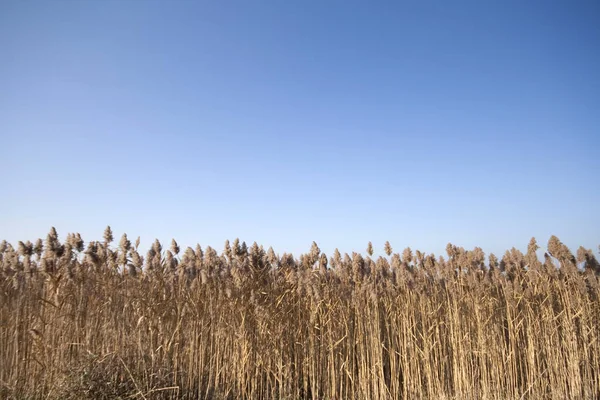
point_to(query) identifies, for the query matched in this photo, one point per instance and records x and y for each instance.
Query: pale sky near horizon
(284, 122)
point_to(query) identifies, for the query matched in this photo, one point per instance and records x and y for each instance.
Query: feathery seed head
(174, 247)
(560, 251)
(531, 257)
(396, 261)
(124, 244)
(157, 247)
(227, 249)
(336, 260)
(587, 257)
(25, 249)
(388, 248)
(441, 262)
(211, 257)
(323, 263)
(358, 266)
(347, 259)
(581, 254)
(170, 261)
(136, 259)
(493, 261)
(53, 234)
(77, 242)
(477, 257)
(419, 257)
(38, 247)
(256, 256)
(382, 267)
(150, 255)
(429, 263)
(108, 235)
(370, 249)
(407, 256)
(188, 256)
(287, 261)
(303, 260)
(554, 246)
(533, 246)
(199, 253)
(271, 257)
(314, 250)
(53, 246)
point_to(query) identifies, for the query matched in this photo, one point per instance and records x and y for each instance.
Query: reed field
(99, 320)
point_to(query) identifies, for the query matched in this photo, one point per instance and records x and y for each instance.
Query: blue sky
(284, 122)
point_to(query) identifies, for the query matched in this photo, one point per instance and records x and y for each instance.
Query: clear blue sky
(284, 122)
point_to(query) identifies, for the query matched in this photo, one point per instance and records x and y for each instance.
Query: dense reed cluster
(103, 321)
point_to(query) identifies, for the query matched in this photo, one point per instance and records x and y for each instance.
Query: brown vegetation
(195, 324)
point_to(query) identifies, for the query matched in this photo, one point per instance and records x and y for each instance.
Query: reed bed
(104, 322)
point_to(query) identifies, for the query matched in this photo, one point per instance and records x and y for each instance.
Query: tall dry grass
(105, 322)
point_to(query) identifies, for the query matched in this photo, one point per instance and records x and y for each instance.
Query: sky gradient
(284, 122)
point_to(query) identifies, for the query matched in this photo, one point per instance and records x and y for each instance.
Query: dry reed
(105, 323)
